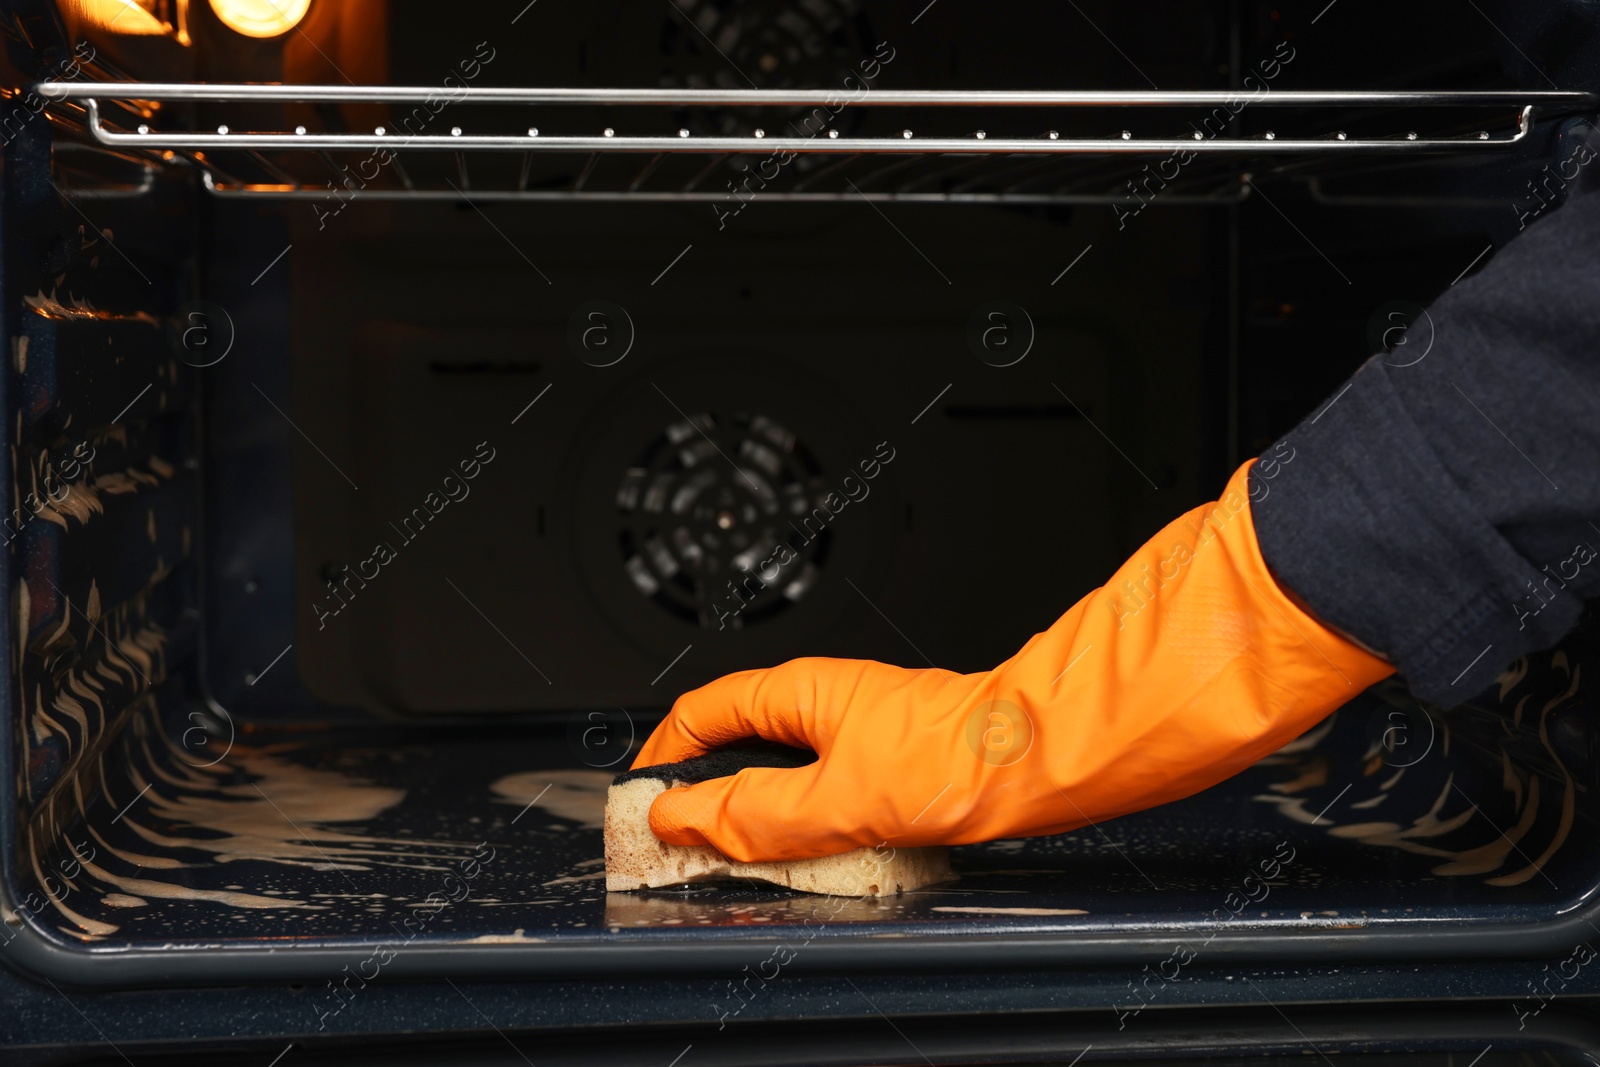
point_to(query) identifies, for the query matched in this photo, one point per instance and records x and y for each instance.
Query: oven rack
(683, 162)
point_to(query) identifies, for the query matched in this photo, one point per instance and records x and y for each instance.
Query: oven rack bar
(666, 97)
(609, 142)
(92, 95)
(221, 152)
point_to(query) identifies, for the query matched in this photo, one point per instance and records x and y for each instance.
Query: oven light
(260, 18)
(119, 16)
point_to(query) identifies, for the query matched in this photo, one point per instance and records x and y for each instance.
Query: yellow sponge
(637, 859)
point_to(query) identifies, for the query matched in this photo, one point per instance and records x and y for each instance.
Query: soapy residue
(255, 804)
(516, 937)
(578, 795)
(575, 878)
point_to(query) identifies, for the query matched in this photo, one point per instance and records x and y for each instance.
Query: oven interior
(405, 487)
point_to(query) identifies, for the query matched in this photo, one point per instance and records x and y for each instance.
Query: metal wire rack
(658, 144)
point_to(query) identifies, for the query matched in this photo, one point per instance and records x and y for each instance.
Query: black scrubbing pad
(723, 763)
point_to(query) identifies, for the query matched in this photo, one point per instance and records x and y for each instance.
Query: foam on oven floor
(402, 836)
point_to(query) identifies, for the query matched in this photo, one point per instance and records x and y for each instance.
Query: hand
(1189, 665)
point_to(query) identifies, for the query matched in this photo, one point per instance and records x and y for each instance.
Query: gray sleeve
(1447, 512)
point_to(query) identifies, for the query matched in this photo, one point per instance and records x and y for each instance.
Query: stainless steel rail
(88, 102)
(907, 143)
(409, 94)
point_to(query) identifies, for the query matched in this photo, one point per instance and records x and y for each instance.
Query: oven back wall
(816, 377)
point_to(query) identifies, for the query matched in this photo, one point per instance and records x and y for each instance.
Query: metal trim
(37, 953)
(59, 90)
(905, 145)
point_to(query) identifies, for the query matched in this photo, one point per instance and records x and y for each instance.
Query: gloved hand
(1188, 665)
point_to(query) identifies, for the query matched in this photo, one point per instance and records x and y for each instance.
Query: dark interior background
(1185, 340)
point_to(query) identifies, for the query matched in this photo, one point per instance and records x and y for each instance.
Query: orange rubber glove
(1189, 665)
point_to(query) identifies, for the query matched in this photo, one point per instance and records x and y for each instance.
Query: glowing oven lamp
(260, 18)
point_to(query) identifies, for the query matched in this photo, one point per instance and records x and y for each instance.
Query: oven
(401, 398)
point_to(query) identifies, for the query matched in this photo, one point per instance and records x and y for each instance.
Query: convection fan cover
(714, 520)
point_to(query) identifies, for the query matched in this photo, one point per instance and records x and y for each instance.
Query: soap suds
(516, 937)
(578, 795)
(575, 878)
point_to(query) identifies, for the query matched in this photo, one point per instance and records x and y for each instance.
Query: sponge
(637, 859)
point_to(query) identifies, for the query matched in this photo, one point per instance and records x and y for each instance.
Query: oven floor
(493, 836)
